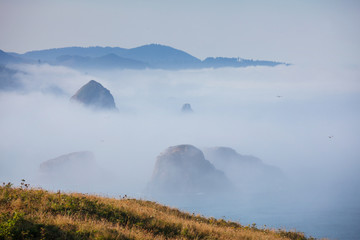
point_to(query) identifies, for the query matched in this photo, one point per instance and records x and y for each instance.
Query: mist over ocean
(300, 119)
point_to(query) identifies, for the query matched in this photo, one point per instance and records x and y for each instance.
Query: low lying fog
(283, 115)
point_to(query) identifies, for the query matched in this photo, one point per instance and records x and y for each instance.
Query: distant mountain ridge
(52, 54)
(152, 56)
(7, 58)
(108, 61)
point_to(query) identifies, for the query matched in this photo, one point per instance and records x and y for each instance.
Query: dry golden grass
(39, 214)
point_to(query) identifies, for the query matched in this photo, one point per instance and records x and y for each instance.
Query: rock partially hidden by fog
(186, 108)
(74, 171)
(77, 171)
(248, 173)
(223, 156)
(94, 95)
(182, 170)
(69, 162)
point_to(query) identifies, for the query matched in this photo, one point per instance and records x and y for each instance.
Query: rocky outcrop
(246, 172)
(183, 170)
(186, 108)
(94, 95)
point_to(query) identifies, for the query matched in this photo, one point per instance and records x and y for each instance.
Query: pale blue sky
(283, 30)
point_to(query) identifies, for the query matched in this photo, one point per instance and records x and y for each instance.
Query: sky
(298, 32)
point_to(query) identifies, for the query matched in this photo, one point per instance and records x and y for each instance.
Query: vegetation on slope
(27, 213)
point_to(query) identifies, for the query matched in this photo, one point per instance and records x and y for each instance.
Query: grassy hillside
(27, 213)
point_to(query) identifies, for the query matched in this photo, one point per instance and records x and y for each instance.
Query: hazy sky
(282, 30)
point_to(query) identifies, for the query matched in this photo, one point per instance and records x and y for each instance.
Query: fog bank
(301, 119)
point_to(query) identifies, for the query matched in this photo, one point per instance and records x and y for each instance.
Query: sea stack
(248, 173)
(183, 170)
(186, 108)
(94, 95)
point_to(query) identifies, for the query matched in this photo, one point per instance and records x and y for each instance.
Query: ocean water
(330, 223)
(341, 222)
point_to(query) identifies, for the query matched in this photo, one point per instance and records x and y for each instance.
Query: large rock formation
(183, 170)
(94, 95)
(248, 173)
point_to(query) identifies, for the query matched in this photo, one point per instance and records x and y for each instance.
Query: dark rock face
(94, 95)
(248, 173)
(186, 108)
(183, 170)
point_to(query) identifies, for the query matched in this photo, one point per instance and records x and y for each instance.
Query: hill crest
(28, 213)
